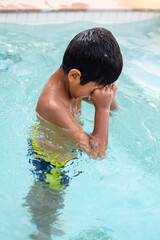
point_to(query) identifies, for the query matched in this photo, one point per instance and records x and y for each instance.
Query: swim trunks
(46, 165)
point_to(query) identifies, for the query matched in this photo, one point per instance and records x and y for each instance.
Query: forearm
(101, 99)
(95, 144)
(99, 137)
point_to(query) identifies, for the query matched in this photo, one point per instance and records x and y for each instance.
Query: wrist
(102, 109)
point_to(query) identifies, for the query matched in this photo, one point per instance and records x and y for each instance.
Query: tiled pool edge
(37, 17)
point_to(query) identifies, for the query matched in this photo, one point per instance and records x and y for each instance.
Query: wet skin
(61, 100)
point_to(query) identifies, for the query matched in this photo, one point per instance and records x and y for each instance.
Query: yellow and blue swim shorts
(45, 165)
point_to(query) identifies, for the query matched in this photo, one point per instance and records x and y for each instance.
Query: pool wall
(37, 17)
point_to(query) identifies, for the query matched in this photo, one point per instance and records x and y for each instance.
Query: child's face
(76, 89)
(87, 89)
(82, 91)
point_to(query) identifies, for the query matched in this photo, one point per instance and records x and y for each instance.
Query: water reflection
(44, 205)
(48, 150)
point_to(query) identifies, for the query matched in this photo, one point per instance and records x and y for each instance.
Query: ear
(74, 76)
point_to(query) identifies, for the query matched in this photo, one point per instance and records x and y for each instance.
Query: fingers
(115, 85)
(112, 86)
(109, 87)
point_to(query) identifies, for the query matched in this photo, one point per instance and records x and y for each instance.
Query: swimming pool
(116, 198)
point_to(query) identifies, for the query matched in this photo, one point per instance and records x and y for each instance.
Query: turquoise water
(116, 198)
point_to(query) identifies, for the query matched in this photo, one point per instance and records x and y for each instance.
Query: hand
(102, 97)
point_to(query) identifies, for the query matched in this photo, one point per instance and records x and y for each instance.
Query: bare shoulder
(49, 109)
(56, 112)
(47, 101)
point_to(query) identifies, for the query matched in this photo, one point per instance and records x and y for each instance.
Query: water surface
(116, 198)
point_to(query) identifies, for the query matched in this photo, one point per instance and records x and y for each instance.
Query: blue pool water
(116, 198)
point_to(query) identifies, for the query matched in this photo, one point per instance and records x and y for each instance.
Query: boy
(91, 64)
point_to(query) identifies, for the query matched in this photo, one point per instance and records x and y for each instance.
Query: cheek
(82, 92)
(77, 93)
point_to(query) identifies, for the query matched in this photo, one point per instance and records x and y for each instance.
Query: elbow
(94, 147)
(98, 149)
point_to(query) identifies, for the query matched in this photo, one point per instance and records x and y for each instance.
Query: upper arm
(60, 116)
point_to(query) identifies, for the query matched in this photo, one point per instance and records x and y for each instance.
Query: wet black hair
(96, 54)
